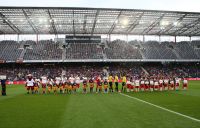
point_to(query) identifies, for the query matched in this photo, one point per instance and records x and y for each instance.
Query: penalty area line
(168, 110)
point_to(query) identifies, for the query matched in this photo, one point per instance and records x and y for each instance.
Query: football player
(30, 84)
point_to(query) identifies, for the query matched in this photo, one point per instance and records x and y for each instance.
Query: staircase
(177, 55)
(21, 57)
(144, 70)
(63, 54)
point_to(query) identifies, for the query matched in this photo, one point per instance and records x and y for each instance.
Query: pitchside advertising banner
(24, 82)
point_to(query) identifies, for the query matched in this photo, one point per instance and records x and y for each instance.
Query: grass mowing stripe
(194, 119)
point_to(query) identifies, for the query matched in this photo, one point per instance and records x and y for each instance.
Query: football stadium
(99, 67)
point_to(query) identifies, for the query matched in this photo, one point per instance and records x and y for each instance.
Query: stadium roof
(70, 20)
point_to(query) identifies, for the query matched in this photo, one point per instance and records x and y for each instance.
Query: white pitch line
(177, 113)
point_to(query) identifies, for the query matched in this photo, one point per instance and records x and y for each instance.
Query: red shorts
(177, 84)
(137, 86)
(185, 85)
(142, 86)
(151, 86)
(129, 86)
(44, 85)
(165, 85)
(78, 85)
(156, 86)
(30, 87)
(146, 86)
(160, 85)
(172, 85)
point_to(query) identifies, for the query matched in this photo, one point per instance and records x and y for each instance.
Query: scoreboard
(82, 39)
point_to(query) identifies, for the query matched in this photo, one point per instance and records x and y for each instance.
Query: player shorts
(44, 85)
(77, 85)
(129, 86)
(84, 86)
(91, 85)
(30, 88)
(185, 85)
(177, 84)
(55, 88)
(70, 87)
(156, 86)
(105, 86)
(61, 87)
(100, 87)
(147, 86)
(142, 86)
(36, 88)
(151, 86)
(123, 83)
(137, 86)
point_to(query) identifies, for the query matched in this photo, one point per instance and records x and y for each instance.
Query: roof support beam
(196, 32)
(135, 23)
(84, 24)
(95, 21)
(114, 23)
(30, 22)
(170, 26)
(185, 26)
(148, 29)
(190, 27)
(10, 24)
(52, 22)
(73, 25)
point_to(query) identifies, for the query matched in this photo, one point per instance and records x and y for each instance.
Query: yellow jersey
(123, 79)
(110, 78)
(116, 79)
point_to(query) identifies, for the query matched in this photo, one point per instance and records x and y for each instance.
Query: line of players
(71, 84)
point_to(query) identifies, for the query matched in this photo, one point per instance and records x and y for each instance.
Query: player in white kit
(177, 83)
(185, 84)
(151, 85)
(72, 83)
(142, 85)
(156, 85)
(44, 84)
(161, 84)
(166, 82)
(30, 84)
(137, 85)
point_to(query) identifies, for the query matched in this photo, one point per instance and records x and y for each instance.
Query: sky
(172, 5)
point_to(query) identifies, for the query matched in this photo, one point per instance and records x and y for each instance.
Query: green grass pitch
(20, 110)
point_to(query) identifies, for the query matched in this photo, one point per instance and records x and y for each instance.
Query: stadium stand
(19, 71)
(117, 49)
(84, 51)
(43, 50)
(10, 50)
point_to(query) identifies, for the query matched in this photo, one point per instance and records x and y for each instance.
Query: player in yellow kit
(116, 80)
(110, 78)
(124, 83)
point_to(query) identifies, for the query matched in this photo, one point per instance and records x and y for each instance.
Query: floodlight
(164, 23)
(175, 23)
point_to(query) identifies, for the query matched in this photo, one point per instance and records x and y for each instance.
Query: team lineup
(97, 84)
